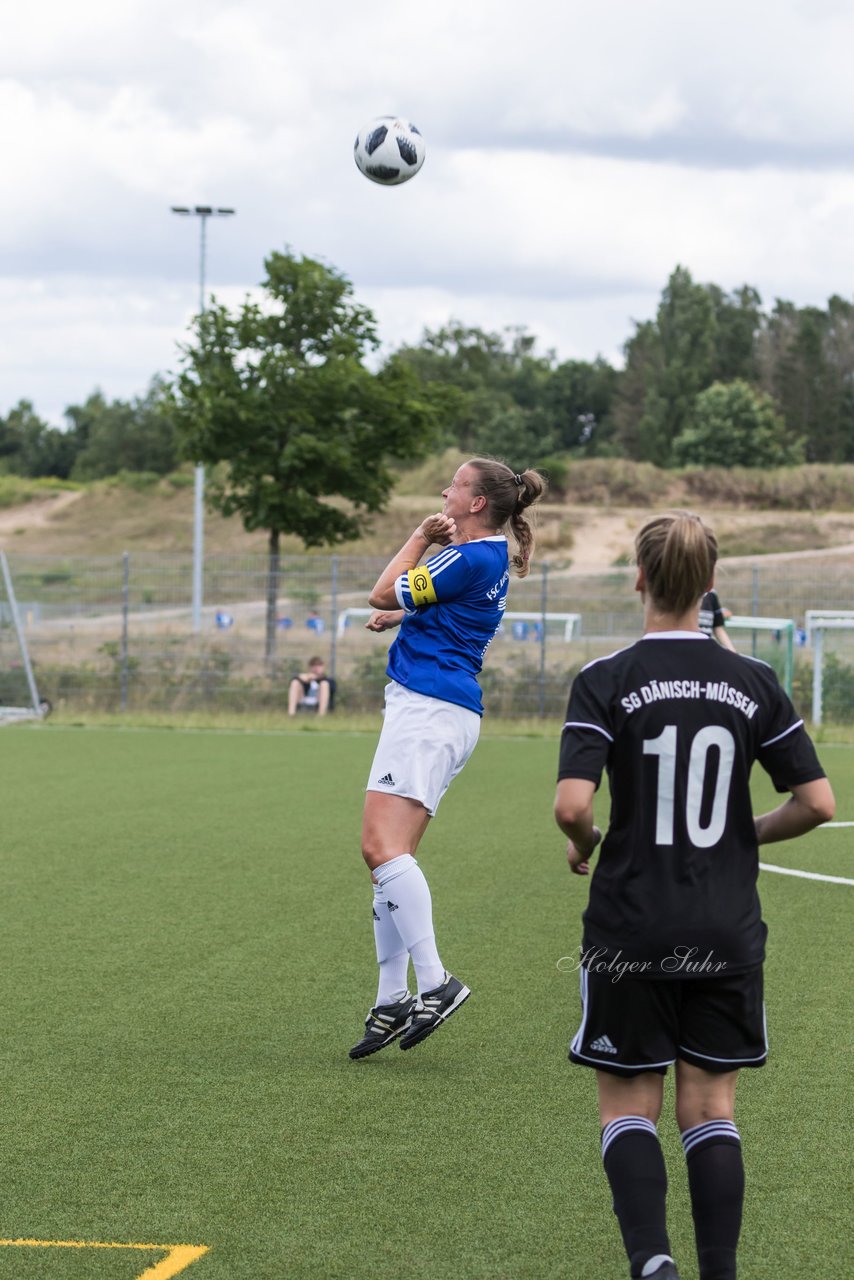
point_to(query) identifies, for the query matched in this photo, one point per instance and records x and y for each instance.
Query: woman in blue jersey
(448, 609)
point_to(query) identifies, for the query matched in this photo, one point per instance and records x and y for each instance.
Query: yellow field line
(178, 1257)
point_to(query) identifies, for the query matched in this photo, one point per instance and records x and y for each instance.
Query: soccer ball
(389, 150)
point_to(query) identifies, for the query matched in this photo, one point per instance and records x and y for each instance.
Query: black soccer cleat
(667, 1271)
(432, 1008)
(384, 1023)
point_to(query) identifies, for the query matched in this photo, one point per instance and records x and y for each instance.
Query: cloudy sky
(576, 152)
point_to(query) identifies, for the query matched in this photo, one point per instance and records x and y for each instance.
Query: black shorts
(630, 1025)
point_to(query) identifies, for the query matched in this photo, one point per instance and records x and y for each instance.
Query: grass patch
(277, 722)
(188, 956)
(795, 533)
(17, 491)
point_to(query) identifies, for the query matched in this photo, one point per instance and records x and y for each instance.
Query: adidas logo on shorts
(386, 781)
(603, 1045)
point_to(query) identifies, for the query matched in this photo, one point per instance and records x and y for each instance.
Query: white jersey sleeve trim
(607, 657)
(398, 591)
(581, 724)
(785, 733)
(443, 561)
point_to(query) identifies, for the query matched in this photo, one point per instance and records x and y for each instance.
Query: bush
(16, 490)
(837, 701)
(180, 480)
(616, 481)
(736, 422)
(137, 481)
(431, 476)
(362, 690)
(812, 488)
(838, 692)
(556, 471)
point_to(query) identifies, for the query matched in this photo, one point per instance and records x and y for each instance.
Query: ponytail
(508, 495)
(678, 555)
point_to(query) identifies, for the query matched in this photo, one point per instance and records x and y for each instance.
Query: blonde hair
(508, 494)
(678, 555)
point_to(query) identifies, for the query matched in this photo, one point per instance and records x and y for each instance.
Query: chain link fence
(115, 633)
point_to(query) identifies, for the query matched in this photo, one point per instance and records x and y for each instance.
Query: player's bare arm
(384, 620)
(722, 637)
(574, 815)
(436, 529)
(807, 807)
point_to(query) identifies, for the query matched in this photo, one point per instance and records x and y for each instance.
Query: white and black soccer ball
(389, 150)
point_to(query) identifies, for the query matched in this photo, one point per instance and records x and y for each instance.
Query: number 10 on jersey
(664, 746)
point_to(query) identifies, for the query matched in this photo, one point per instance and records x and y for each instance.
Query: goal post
(568, 623)
(818, 621)
(36, 708)
(782, 627)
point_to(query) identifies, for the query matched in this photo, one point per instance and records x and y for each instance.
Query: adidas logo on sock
(376, 917)
(392, 906)
(603, 1045)
(386, 781)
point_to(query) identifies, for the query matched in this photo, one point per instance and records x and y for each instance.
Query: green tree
(518, 435)
(643, 361)
(575, 404)
(734, 425)
(686, 331)
(700, 335)
(483, 379)
(136, 435)
(738, 322)
(833, 440)
(502, 397)
(29, 446)
(279, 394)
(806, 359)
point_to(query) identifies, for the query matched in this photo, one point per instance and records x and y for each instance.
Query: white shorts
(424, 744)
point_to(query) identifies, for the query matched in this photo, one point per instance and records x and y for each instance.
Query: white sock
(408, 901)
(392, 956)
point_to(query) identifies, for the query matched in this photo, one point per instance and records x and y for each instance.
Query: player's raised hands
(439, 529)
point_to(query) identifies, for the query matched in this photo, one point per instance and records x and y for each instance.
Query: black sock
(635, 1168)
(716, 1180)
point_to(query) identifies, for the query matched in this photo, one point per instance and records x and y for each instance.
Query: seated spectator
(311, 690)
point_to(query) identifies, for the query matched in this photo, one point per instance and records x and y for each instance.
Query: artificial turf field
(187, 955)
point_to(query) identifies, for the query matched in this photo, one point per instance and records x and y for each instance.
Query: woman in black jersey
(713, 618)
(673, 941)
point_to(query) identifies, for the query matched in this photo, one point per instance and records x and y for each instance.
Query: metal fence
(115, 633)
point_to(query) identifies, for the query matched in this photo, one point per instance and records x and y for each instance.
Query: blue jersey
(453, 606)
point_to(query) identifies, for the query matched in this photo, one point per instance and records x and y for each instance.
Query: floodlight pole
(202, 212)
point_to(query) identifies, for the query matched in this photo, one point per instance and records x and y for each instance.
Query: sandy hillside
(109, 519)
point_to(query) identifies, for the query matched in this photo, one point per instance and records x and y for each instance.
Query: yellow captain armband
(421, 585)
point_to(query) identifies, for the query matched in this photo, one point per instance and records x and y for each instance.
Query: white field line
(804, 875)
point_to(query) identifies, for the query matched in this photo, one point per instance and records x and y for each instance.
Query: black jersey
(711, 613)
(678, 721)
